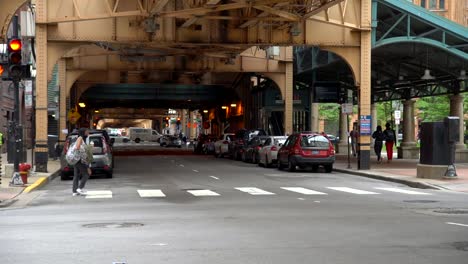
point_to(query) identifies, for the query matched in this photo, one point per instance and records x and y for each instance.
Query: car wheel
(125, 140)
(254, 159)
(243, 157)
(137, 140)
(291, 165)
(328, 168)
(109, 175)
(64, 177)
(314, 168)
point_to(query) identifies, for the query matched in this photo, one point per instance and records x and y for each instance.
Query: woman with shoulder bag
(82, 167)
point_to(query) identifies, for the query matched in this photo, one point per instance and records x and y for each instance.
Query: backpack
(389, 135)
(73, 155)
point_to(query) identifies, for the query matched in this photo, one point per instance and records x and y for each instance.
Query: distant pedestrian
(390, 139)
(379, 137)
(82, 169)
(354, 139)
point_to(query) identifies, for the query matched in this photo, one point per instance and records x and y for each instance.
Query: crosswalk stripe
(402, 191)
(151, 193)
(203, 193)
(303, 190)
(351, 190)
(98, 194)
(254, 191)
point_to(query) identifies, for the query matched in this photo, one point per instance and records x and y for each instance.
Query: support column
(343, 144)
(408, 148)
(314, 117)
(41, 147)
(456, 109)
(62, 100)
(365, 83)
(288, 96)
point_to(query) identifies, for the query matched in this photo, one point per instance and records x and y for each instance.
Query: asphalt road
(242, 214)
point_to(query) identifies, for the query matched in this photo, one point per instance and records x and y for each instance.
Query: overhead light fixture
(189, 100)
(205, 111)
(462, 75)
(233, 105)
(96, 111)
(224, 107)
(82, 105)
(427, 75)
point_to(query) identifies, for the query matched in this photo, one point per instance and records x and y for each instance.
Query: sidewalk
(404, 171)
(35, 180)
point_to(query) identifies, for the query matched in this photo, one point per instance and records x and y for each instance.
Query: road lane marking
(181, 165)
(254, 191)
(457, 224)
(195, 171)
(203, 193)
(216, 178)
(151, 193)
(303, 190)
(351, 190)
(402, 191)
(98, 194)
(302, 199)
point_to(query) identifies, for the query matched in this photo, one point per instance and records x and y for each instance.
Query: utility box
(434, 144)
(452, 124)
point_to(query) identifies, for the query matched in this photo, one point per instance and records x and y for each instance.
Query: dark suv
(236, 147)
(306, 149)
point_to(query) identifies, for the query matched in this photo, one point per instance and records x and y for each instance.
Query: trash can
(434, 144)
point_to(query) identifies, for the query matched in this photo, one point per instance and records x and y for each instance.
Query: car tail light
(106, 167)
(331, 151)
(258, 147)
(274, 148)
(66, 168)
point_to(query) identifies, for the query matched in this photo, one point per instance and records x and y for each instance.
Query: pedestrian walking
(82, 169)
(379, 137)
(390, 139)
(354, 134)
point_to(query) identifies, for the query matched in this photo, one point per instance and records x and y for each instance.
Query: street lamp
(82, 105)
(233, 105)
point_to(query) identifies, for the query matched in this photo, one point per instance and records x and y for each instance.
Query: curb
(41, 182)
(419, 185)
(7, 203)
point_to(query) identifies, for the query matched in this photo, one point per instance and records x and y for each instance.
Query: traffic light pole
(16, 120)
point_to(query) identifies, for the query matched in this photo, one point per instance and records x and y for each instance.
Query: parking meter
(452, 125)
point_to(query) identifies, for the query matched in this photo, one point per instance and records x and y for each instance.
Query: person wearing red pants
(390, 139)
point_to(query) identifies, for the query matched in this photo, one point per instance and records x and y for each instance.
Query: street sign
(365, 128)
(73, 116)
(397, 114)
(347, 109)
(397, 121)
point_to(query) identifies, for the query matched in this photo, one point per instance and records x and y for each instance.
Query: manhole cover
(112, 225)
(420, 201)
(451, 211)
(461, 245)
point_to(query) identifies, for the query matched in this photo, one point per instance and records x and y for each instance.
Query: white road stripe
(402, 191)
(351, 190)
(203, 193)
(151, 193)
(98, 194)
(254, 191)
(457, 224)
(181, 165)
(216, 178)
(303, 190)
(195, 171)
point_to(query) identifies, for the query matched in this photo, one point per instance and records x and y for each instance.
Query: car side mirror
(280, 144)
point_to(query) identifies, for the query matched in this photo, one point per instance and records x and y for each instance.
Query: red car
(306, 149)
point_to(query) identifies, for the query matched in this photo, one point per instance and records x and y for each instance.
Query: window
(432, 4)
(423, 3)
(268, 142)
(441, 4)
(315, 141)
(279, 141)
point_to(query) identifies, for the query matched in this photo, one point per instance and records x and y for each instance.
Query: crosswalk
(255, 191)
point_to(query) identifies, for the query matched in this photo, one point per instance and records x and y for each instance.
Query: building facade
(455, 10)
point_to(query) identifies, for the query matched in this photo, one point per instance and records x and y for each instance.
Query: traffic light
(14, 58)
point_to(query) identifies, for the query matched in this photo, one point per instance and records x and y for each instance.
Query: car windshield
(280, 141)
(313, 141)
(97, 144)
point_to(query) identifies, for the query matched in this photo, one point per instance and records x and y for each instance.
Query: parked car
(115, 138)
(268, 154)
(251, 149)
(306, 149)
(236, 147)
(102, 156)
(170, 141)
(221, 146)
(204, 144)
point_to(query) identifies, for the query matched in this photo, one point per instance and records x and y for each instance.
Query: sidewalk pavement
(404, 171)
(8, 194)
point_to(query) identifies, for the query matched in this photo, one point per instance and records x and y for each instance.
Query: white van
(138, 134)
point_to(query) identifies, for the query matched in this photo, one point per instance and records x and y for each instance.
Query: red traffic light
(1, 69)
(15, 45)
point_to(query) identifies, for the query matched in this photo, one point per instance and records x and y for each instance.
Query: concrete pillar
(408, 148)
(374, 117)
(41, 147)
(456, 109)
(314, 117)
(343, 144)
(62, 73)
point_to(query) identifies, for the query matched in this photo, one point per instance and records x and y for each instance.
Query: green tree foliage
(384, 112)
(329, 111)
(433, 108)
